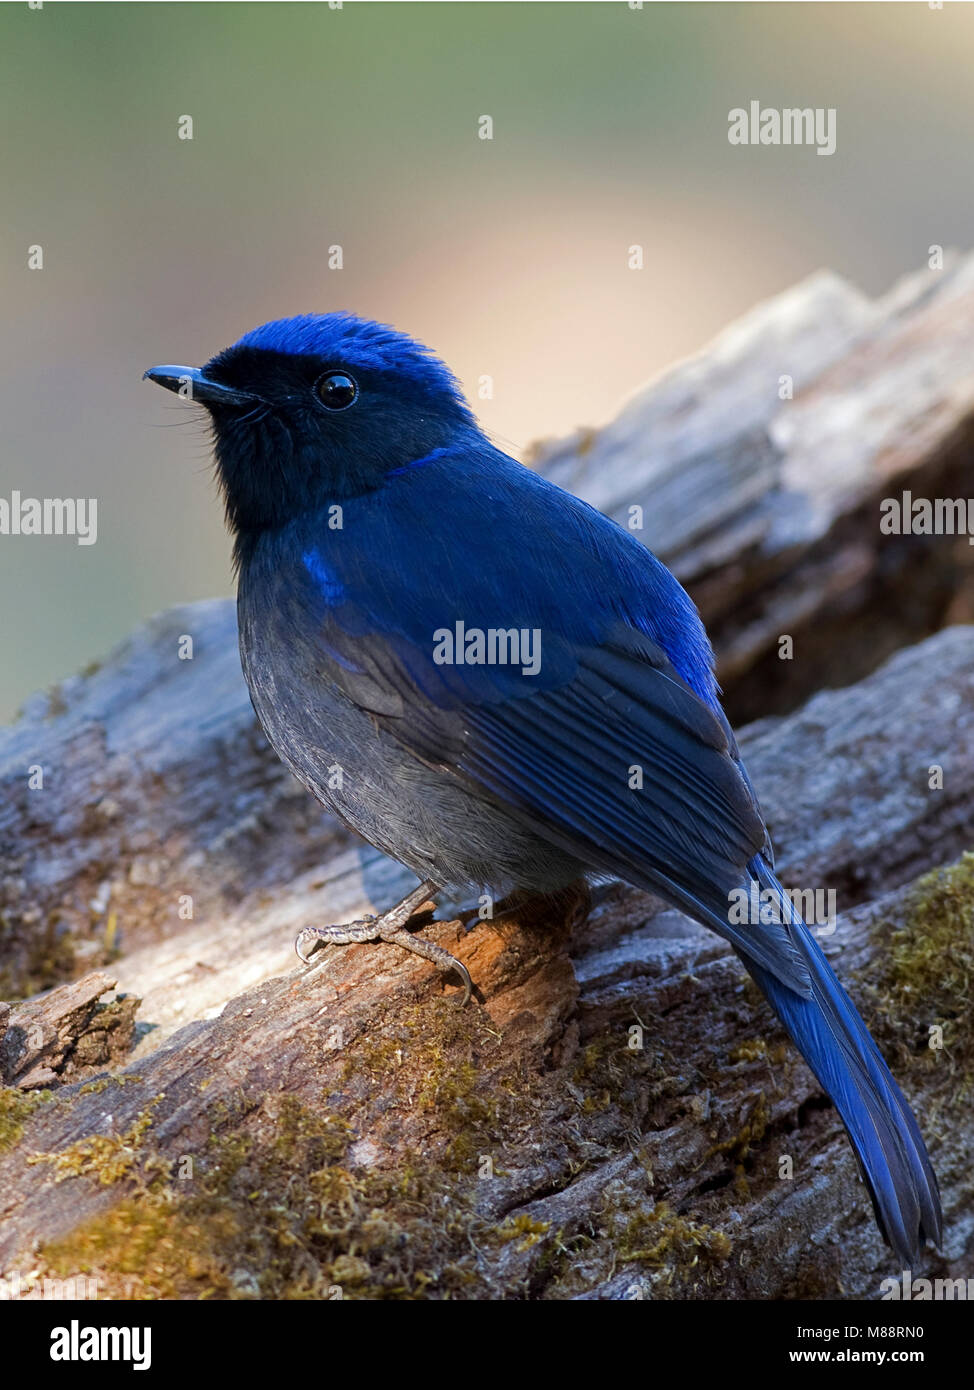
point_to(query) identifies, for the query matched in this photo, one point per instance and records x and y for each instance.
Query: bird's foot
(311, 939)
(391, 927)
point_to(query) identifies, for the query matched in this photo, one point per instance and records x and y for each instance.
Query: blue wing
(615, 749)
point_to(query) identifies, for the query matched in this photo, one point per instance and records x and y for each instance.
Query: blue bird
(513, 690)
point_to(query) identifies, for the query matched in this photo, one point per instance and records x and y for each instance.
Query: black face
(311, 410)
(300, 431)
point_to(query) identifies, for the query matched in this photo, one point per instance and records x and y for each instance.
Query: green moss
(931, 959)
(917, 993)
(432, 1058)
(663, 1239)
(108, 1157)
(597, 1073)
(273, 1213)
(751, 1133)
(450, 1090)
(685, 1257)
(304, 1137)
(15, 1107)
(278, 1204)
(594, 1058)
(524, 1229)
(143, 1248)
(102, 1083)
(373, 1057)
(609, 1075)
(273, 1208)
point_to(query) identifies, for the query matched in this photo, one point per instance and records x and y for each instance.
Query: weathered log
(768, 509)
(348, 1128)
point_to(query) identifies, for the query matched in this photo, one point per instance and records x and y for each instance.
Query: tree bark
(758, 468)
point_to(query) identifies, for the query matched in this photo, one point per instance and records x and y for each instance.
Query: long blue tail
(836, 1044)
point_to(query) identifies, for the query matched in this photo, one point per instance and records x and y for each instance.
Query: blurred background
(315, 127)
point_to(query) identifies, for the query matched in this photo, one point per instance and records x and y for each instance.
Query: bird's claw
(458, 968)
(363, 929)
(307, 933)
(390, 928)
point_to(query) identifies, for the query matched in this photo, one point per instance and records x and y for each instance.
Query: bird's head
(310, 410)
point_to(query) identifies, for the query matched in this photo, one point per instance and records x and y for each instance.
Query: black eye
(337, 390)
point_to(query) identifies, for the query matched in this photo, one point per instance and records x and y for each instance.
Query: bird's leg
(391, 927)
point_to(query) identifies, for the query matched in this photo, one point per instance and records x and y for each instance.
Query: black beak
(191, 383)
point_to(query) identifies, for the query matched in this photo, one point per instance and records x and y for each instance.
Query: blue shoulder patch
(327, 583)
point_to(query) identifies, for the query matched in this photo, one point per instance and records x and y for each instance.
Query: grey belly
(422, 816)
